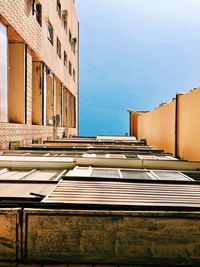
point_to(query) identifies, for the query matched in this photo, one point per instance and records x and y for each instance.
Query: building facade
(104, 201)
(39, 48)
(172, 126)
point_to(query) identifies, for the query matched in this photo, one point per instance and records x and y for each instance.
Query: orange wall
(189, 125)
(158, 127)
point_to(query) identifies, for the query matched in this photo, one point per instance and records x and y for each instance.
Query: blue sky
(134, 54)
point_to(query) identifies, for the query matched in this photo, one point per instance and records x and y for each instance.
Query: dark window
(37, 11)
(50, 33)
(74, 45)
(65, 59)
(74, 75)
(59, 8)
(65, 19)
(58, 48)
(70, 37)
(70, 68)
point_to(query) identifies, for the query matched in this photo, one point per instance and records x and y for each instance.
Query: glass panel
(43, 175)
(165, 158)
(135, 175)
(3, 74)
(146, 157)
(12, 175)
(106, 173)
(171, 176)
(89, 155)
(115, 156)
(194, 175)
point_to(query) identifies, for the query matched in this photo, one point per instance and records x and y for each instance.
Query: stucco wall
(158, 127)
(189, 125)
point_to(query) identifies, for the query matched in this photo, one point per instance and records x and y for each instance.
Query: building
(173, 127)
(39, 48)
(97, 202)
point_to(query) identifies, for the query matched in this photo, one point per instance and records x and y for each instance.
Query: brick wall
(10, 132)
(18, 14)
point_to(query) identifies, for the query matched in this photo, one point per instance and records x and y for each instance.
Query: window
(50, 33)
(37, 11)
(65, 19)
(70, 37)
(58, 48)
(70, 68)
(74, 45)
(59, 8)
(74, 75)
(65, 59)
(135, 174)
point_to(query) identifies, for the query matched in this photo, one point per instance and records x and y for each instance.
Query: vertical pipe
(25, 82)
(78, 83)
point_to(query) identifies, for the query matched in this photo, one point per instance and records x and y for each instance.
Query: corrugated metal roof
(123, 193)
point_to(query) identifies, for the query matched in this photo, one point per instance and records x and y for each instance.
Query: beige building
(39, 42)
(173, 126)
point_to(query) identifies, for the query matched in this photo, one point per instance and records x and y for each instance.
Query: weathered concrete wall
(100, 237)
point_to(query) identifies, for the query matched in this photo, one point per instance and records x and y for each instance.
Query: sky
(134, 54)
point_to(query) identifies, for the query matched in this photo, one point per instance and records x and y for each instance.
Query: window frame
(50, 35)
(58, 48)
(65, 59)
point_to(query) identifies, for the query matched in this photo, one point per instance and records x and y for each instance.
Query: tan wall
(134, 123)
(37, 94)
(64, 107)
(58, 98)
(50, 100)
(189, 125)
(16, 92)
(158, 127)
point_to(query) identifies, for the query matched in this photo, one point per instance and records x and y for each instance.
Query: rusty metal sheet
(9, 234)
(112, 237)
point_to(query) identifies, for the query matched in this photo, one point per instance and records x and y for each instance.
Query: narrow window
(74, 45)
(70, 37)
(37, 11)
(59, 8)
(65, 19)
(50, 33)
(74, 75)
(70, 68)
(65, 59)
(58, 48)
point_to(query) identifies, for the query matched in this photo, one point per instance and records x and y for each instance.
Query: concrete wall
(158, 127)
